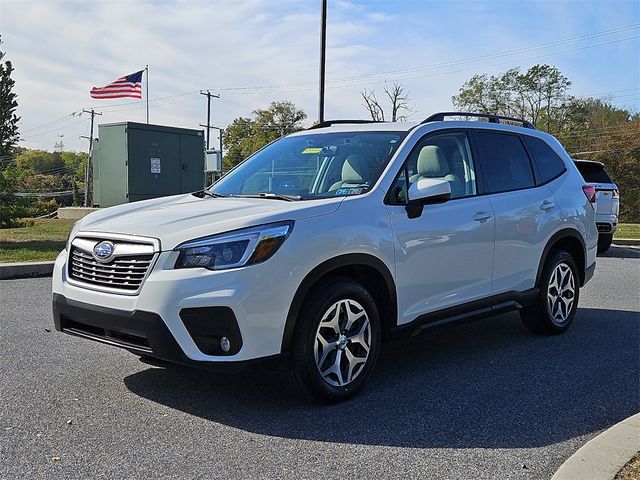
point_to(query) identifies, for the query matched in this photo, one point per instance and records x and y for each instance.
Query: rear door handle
(547, 205)
(482, 215)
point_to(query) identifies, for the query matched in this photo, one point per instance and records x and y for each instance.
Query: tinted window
(444, 156)
(548, 161)
(504, 161)
(593, 172)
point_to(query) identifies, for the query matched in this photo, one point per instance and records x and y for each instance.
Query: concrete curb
(626, 241)
(602, 457)
(25, 270)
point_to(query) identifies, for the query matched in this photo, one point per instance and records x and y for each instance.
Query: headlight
(236, 249)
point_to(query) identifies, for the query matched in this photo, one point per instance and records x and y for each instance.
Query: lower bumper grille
(112, 337)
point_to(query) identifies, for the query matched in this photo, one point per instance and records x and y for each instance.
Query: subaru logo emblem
(103, 250)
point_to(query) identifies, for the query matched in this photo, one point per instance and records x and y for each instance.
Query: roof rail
(328, 123)
(440, 116)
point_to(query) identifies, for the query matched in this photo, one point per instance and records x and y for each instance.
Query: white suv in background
(329, 241)
(607, 200)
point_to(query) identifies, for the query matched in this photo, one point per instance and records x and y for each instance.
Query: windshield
(312, 166)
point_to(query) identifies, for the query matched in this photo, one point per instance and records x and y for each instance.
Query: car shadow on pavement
(620, 251)
(487, 384)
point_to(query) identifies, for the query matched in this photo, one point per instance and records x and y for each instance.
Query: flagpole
(146, 69)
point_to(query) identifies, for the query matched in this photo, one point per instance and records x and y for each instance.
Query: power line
(434, 74)
(628, 147)
(52, 130)
(452, 63)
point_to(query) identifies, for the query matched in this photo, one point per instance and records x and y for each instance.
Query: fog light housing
(225, 344)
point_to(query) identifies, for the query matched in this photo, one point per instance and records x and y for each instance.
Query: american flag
(127, 86)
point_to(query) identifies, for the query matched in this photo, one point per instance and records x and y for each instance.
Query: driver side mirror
(425, 191)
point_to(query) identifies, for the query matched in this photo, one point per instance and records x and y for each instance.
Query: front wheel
(336, 341)
(557, 302)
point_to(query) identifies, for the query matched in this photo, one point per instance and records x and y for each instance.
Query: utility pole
(146, 83)
(87, 175)
(323, 49)
(209, 95)
(59, 145)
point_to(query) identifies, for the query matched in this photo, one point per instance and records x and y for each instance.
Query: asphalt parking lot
(481, 400)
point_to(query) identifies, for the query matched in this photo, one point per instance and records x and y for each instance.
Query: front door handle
(482, 215)
(547, 205)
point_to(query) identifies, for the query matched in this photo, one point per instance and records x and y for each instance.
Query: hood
(176, 219)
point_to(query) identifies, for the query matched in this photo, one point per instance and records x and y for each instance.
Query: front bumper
(257, 297)
(140, 332)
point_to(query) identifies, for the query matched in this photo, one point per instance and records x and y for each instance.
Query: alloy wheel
(342, 342)
(561, 293)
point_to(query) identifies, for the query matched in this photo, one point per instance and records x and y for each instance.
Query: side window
(504, 161)
(548, 161)
(445, 156)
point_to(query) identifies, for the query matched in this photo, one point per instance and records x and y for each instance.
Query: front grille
(122, 273)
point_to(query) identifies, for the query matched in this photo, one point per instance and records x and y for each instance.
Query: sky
(253, 52)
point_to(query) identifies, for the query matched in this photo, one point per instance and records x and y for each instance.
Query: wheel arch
(570, 240)
(367, 269)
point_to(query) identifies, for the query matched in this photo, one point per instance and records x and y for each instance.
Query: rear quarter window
(593, 173)
(504, 161)
(550, 165)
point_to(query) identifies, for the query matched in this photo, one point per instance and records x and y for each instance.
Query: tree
(39, 161)
(539, 95)
(245, 136)
(589, 128)
(398, 98)
(11, 207)
(75, 199)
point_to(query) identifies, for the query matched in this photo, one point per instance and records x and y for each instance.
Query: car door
(443, 257)
(526, 211)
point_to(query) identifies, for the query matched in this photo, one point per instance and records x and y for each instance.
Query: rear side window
(549, 163)
(593, 173)
(504, 162)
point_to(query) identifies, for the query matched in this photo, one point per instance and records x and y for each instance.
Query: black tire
(604, 242)
(303, 373)
(539, 318)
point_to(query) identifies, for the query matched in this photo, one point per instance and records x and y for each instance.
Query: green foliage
(11, 207)
(618, 147)
(39, 161)
(589, 128)
(8, 104)
(245, 136)
(539, 95)
(43, 162)
(75, 199)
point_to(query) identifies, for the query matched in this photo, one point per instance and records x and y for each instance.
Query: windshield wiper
(208, 193)
(274, 196)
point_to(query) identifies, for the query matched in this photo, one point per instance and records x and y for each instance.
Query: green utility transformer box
(137, 161)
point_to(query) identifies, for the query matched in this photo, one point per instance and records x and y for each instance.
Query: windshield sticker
(312, 150)
(350, 191)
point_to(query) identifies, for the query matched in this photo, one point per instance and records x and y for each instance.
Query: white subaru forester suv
(329, 241)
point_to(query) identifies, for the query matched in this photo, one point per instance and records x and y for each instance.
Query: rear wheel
(557, 302)
(604, 242)
(336, 341)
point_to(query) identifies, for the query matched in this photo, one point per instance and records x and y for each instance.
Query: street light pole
(323, 48)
